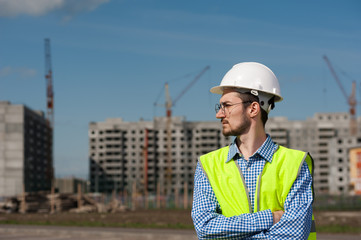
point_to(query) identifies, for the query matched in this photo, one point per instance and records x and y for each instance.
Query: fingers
(277, 215)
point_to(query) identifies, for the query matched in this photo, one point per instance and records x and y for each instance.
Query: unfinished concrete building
(117, 150)
(26, 161)
(327, 137)
(123, 153)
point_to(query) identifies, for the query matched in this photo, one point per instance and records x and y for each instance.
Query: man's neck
(248, 144)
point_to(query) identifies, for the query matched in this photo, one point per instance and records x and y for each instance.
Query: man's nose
(220, 114)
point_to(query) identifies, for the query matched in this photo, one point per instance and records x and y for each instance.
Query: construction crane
(171, 103)
(49, 109)
(351, 99)
(168, 105)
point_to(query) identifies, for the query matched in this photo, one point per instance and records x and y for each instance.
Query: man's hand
(277, 216)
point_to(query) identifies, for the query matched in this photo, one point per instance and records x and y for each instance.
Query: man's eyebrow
(225, 102)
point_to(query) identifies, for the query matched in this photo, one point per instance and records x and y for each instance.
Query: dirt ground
(341, 218)
(139, 218)
(154, 219)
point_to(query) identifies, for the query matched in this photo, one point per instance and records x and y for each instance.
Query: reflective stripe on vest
(273, 184)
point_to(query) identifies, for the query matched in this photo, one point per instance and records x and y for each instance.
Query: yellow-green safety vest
(273, 184)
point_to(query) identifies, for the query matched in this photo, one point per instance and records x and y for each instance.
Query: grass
(320, 229)
(338, 229)
(140, 220)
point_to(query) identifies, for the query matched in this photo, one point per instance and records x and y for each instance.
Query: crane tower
(49, 110)
(168, 105)
(49, 85)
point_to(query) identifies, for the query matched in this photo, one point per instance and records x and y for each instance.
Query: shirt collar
(266, 151)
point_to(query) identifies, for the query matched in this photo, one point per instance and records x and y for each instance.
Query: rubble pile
(60, 202)
(10, 205)
(34, 202)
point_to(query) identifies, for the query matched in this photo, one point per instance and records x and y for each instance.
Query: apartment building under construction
(122, 153)
(327, 137)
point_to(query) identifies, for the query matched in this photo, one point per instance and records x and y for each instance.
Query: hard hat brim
(216, 90)
(219, 90)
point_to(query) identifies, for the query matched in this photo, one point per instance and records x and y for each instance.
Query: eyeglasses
(224, 106)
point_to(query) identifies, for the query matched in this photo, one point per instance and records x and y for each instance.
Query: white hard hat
(254, 78)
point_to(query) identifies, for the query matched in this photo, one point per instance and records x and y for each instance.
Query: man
(253, 188)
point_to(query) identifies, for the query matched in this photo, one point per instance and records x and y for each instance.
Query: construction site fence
(337, 203)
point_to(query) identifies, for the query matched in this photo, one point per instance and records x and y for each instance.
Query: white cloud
(18, 72)
(71, 8)
(13, 8)
(5, 71)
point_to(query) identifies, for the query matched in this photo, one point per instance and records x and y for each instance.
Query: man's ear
(254, 109)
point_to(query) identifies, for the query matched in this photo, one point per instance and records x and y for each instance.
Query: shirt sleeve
(208, 221)
(296, 221)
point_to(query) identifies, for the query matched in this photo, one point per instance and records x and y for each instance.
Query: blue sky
(111, 58)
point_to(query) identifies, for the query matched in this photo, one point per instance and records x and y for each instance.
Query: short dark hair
(250, 98)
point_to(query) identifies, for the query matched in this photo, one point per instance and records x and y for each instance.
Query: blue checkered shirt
(294, 224)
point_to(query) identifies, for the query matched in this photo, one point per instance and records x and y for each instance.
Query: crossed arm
(295, 223)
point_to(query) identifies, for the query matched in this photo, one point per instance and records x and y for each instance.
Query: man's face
(233, 115)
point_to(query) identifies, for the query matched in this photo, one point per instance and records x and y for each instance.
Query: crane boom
(335, 76)
(351, 99)
(190, 84)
